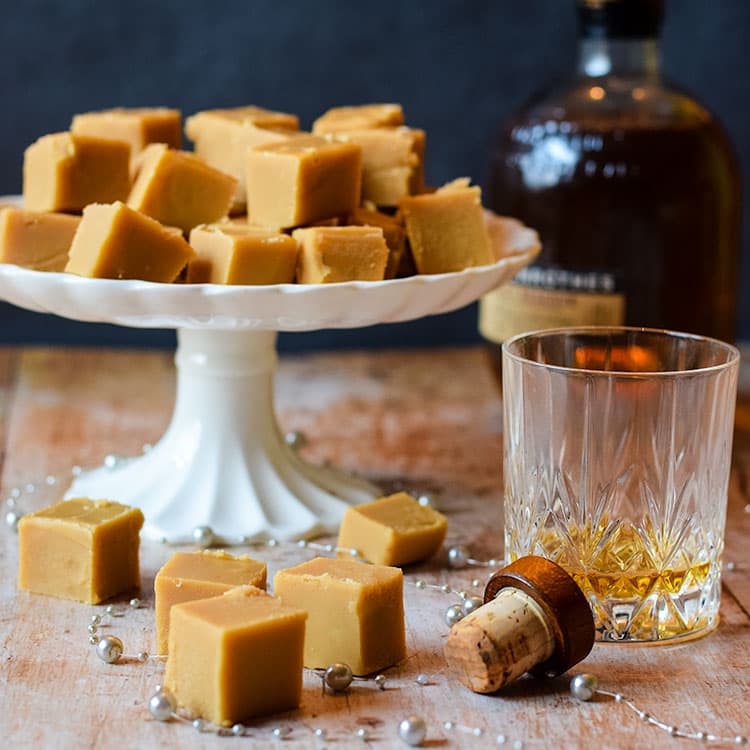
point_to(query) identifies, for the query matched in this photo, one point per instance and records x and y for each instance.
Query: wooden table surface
(426, 421)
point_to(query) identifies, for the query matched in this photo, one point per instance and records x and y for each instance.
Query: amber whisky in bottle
(632, 186)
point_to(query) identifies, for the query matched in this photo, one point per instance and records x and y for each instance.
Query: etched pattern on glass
(623, 481)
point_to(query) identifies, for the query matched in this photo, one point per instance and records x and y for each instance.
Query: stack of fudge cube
(257, 202)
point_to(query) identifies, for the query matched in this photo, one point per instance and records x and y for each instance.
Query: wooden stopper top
(568, 613)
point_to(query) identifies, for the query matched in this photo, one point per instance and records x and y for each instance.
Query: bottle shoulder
(604, 103)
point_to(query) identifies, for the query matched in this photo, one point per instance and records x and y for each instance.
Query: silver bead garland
(585, 686)
(163, 706)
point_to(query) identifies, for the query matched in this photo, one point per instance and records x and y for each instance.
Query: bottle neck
(627, 58)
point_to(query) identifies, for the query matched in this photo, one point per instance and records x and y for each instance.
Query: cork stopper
(535, 618)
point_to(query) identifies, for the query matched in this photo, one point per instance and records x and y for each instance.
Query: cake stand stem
(223, 462)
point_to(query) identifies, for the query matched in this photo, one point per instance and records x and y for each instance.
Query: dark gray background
(459, 67)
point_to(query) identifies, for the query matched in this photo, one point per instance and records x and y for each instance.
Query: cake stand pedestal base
(223, 462)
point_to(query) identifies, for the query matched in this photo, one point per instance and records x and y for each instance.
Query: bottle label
(550, 298)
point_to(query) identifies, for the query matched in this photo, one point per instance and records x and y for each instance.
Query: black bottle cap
(620, 19)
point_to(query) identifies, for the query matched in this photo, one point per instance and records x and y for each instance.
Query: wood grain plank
(425, 421)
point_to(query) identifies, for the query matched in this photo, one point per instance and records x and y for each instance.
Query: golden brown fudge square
(355, 612)
(392, 162)
(301, 180)
(138, 126)
(116, 242)
(222, 138)
(39, 241)
(65, 172)
(187, 576)
(394, 530)
(331, 254)
(446, 229)
(393, 233)
(85, 550)
(179, 189)
(232, 253)
(362, 116)
(236, 656)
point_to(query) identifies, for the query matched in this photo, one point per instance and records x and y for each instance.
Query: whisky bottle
(632, 186)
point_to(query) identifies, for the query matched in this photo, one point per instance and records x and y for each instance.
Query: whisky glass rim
(731, 351)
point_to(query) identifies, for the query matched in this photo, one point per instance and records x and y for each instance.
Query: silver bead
(731, 566)
(412, 731)
(618, 697)
(476, 583)
(583, 686)
(362, 733)
(15, 493)
(109, 649)
(320, 733)
(740, 740)
(494, 563)
(111, 460)
(92, 629)
(162, 705)
(453, 614)
(477, 731)
(203, 536)
(296, 439)
(12, 517)
(458, 556)
(272, 542)
(93, 639)
(110, 609)
(501, 739)
(143, 656)
(518, 745)
(445, 588)
(76, 470)
(280, 732)
(51, 480)
(30, 489)
(448, 726)
(135, 603)
(95, 619)
(422, 679)
(426, 500)
(11, 502)
(471, 604)
(419, 583)
(237, 730)
(338, 676)
(302, 543)
(199, 725)
(380, 681)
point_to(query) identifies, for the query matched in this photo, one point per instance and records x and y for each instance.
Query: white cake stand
(223, 466)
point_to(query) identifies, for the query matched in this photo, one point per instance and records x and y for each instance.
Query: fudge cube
(179, 189)
(301, 180)
(233, 253)
(394, 530)
(331, 254)
(35, 240)
(222, 138)
(65, 172)
(138, 126)
(446, 229)
(361, 116)
(187, 576)
(236, 656)
(355, 612)
(392, 162)
(116, 242)
(81, 549)
(393, 233)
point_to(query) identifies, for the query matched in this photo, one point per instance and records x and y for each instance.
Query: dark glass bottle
(632, 186)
